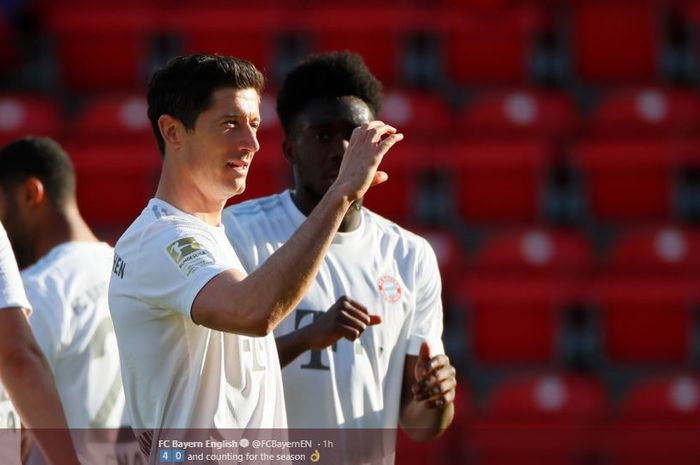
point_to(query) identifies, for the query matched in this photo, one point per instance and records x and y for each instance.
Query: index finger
(435, 363)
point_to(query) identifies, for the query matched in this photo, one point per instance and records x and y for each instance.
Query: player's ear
(172, 130)
(288, 150)
(33, 192)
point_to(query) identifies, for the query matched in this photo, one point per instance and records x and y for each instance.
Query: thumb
(374, 320)
(424, 354)
(379, 177)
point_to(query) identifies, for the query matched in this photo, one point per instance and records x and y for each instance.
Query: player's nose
(249, 140)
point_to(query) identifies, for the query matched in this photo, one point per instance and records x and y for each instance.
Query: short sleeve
(175, 263)
(427, 321)
(11, 290)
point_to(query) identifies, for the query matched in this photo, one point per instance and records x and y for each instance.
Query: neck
(61, 226)
(306, 202)
(184, 194)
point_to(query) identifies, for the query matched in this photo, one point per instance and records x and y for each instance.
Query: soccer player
(66, 272)
(29, 387)
(194, 330)
(363, 348)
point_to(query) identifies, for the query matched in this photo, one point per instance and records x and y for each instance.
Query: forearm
(256, 304)
(280, 289)
(424, 424)
(292, 345)
(30, 385)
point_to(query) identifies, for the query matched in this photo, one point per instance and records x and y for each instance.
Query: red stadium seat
(26, 114)
(658, 422)
(517, 291)
(646, 319)
(631, 179)
(211, 30)
(489, 47)
(110, 118)
(616, 41)
(518, 113)
(515, 319)
(537, 419)
(102, 48)
(417, 114)
(115, 181)
(450, 255)
(377, 33)
(662, 251)
(498, 181)
(535, 251)
(397, 198)
(646, 112)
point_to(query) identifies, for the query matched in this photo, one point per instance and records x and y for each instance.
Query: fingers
(353, 318)
(438, 389)
(424, 354)
(373, 131)
(388, 142)
(378, 133)
(379, 177)
(425, 367)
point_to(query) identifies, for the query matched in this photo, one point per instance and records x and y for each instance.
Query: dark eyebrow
(239, 115)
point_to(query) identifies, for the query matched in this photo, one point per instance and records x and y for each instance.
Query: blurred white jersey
(387, 269)
(11, 296)
(67, 288)
(178, 374)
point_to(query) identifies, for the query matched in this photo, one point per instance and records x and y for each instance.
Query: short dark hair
(327, 75)
(183, 87)
(39, 157)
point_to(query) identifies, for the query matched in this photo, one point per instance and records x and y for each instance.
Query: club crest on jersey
(389, 288)
(189, 255)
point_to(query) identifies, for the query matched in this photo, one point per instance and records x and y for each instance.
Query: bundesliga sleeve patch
(189, 255)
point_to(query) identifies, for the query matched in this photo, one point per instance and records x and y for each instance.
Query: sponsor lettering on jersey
(315, 360)
(90, 297)
(189, 255)
(118, 266)
(389, 288)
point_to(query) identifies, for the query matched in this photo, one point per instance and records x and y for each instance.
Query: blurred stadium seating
(552, 159)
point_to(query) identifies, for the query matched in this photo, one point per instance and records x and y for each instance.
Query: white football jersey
(387, 269)
(178, 374)
(11, 296)
(67, 288)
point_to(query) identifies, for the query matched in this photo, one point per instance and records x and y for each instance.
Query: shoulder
(67, 263)
(404, 238)
(154, 228)
(254, 210)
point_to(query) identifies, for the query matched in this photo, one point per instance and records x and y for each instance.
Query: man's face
(318, 139)
(15, 221)
(219, 149)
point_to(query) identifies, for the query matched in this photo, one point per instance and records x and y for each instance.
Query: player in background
(194, 330)
(363, 348)
(66, 272)
(27, 384)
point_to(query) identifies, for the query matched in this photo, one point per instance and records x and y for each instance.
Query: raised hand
(366, 149)
(346, 318)
(436, 379)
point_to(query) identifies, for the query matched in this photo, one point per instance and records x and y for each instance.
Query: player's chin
(237, 187)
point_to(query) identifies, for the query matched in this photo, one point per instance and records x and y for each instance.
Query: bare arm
(30, 385)
(427, 398)
(255, 304)
(345, 319)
